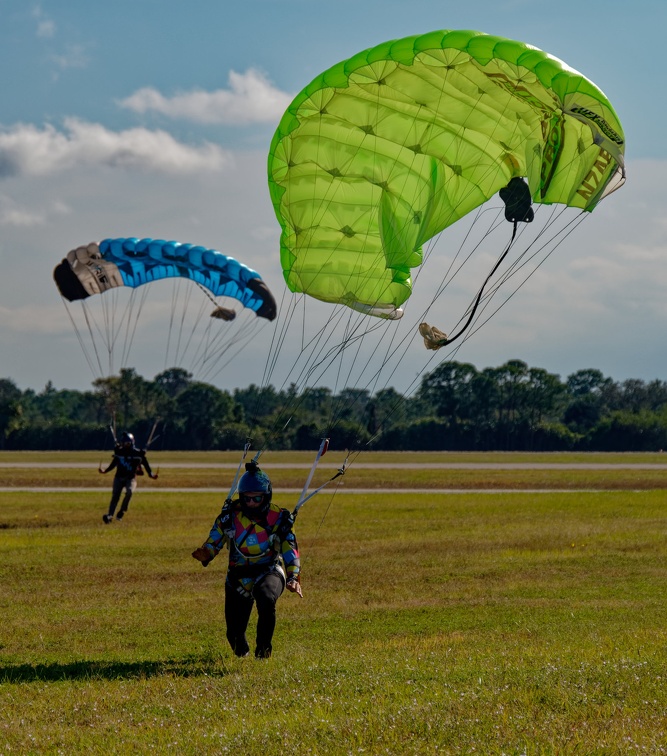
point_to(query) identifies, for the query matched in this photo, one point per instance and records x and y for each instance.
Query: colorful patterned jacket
(255, 546)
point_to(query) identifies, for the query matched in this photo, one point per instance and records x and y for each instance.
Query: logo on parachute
(604, 127)
(99, 272)
(518, 90)
(594, 177)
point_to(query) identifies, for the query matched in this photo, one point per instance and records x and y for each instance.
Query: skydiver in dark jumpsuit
(127, 461)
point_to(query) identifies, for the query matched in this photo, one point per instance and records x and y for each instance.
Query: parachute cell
(385, 150)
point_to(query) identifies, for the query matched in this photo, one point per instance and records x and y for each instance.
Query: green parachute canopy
(385, 150)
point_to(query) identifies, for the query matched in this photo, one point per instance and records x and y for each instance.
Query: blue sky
(154, 118)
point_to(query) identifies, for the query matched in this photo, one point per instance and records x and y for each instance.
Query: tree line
(513, 407)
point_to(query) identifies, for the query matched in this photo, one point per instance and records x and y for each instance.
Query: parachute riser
(305, 496)
(112, 428)
(151, 436)
(232, 490)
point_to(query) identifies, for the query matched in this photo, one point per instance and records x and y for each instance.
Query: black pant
(266, 592)
(119, 485)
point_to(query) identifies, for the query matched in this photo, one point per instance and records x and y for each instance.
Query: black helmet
(255, 480)
(127, 438)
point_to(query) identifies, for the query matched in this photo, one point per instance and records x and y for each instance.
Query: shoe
(263, 653)
(107, 518)
(119, 516)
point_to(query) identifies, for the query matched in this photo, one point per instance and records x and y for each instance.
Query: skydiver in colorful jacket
(263, 560)
(127, 462)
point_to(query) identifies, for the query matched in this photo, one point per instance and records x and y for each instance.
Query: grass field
(489, 623)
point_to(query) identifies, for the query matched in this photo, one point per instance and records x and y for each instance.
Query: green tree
(448, 392)
(200, 415)
(258, 403)
(173, 381)
(11, 410)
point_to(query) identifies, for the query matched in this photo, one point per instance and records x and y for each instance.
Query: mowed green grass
(522, 623)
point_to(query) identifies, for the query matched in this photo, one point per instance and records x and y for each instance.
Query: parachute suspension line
(313, 362)
(184, 302)
(203, 351)
(459, 333)
(94, 328)
(196, 315)
(336, 350)
(313, 345)
(307, 370)
(339, 406)
(237, 342)
(82, 342)
(346, 341)
(448, 279)
(487, 294)
(172, 311)
(132, 323)
(572, 226)
(187, 319)
(216, 342)
(177, 313)
(278, 338)
(116, 329)
(522, 259)
(516, 266)
(197, 346)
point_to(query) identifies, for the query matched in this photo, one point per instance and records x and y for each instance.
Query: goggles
(257, 498)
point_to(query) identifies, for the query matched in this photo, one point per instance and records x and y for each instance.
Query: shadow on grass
(112, 670)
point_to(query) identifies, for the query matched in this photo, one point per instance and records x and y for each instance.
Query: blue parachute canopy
(132, 262)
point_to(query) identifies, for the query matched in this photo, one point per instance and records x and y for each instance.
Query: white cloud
(74, 57)
(13, 213)
(251, 98)
(28, 150)
(46, 27)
